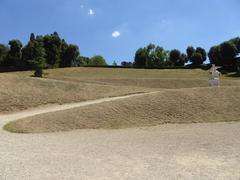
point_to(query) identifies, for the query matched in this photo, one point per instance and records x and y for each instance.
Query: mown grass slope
(20, 91)
(193, 105)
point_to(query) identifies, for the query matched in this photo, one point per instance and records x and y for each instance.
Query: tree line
(49, 51)
(153, 56)
(226, 54)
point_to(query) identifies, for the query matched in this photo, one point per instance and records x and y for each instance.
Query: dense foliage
(153, 56)
(225, 54)
(49, 51)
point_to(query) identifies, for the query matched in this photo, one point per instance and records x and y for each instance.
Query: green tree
(202, 52)
(3, 53)
(196, 59)
(150, 56)
(158, 57)
(34, 56)
(69, 56)
(190, 50)
(98, 61)
(39, 61)
(174, 57)
(182, 60)
(236, 42)
(52, 45)
(81, 60)
(215, 56)
(228, 52)
(29, 51)
(141, 56)
(14, 56)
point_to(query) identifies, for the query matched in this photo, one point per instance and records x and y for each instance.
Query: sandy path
(197, 151)
(193, 151)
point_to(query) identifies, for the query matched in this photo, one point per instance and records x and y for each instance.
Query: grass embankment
(21, 91)
(168, 106)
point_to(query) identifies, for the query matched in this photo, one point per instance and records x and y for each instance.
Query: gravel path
(197, 151)
(193, 151)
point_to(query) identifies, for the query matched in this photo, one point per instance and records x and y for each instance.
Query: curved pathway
(193, 151)
(54, 108)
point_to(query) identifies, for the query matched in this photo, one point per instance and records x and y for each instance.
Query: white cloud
(116, 34)
(91, 12)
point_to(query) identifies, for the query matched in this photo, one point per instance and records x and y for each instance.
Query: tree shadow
(234, 75)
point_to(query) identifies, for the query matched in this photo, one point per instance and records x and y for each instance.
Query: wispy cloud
(82, 6)
(91, 12)
(116, 34)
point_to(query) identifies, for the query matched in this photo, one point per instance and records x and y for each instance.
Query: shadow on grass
(235, 75)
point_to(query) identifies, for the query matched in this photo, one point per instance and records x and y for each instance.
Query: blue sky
(116, 29)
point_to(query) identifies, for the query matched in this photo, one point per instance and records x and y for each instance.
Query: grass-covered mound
(194, 105)
(21, 91)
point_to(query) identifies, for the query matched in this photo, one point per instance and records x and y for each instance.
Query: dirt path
(54, 108)
(193, 151)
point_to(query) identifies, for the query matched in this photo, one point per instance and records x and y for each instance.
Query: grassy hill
(193, 105)
(182, 98)
(21, 91)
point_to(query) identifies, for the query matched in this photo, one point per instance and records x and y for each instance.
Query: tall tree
(196, 59)
(150, 53)
(174, 57)
(3, 53)
(98, 61)
(159, 57)
(215, 56)
(69, 55)
(52, 45)
(182, 60)
(140, 57)
(150, 56)
(14, 56)
(33, 54)
(202, 52)
(228, 52)
(39, 63)
(190, 50)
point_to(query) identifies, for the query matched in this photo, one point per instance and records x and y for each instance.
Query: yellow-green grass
(194, 105)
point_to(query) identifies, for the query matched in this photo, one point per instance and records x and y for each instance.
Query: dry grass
(168, 106)
(148, 78)
(103, 73)
(19, 91)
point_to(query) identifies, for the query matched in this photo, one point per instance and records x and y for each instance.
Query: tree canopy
(51, 51)
(225, 53)
(98, 61)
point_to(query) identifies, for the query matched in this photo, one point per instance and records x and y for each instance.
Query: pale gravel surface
(197, 151)
(193, 151)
